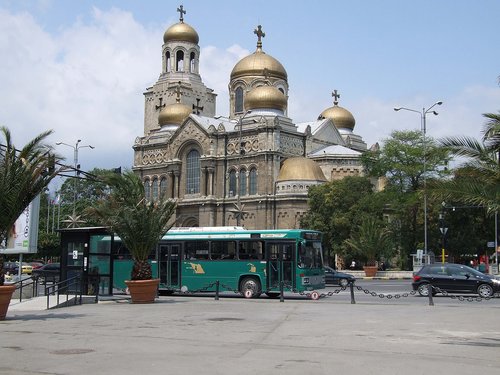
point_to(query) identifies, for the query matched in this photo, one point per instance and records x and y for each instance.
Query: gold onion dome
(259, 63)
(265, 97)
(181, 32)
(173, 114)
(255, 65)
(300, 169)
(342, 118)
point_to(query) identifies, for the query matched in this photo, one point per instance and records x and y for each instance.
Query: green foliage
(24, 174)
(477, 182)
(138, 222)
(371, 240)
(336, 207)
(76, 194)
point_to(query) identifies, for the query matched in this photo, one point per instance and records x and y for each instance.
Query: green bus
(249, 261)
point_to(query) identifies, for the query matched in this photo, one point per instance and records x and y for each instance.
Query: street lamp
(423, 114)
(75, 148)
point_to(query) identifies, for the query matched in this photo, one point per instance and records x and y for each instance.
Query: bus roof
(237, 233)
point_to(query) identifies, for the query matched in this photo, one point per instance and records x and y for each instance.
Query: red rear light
(416, 278)
(301, 275)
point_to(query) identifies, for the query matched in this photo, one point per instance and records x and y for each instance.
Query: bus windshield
(310, 255)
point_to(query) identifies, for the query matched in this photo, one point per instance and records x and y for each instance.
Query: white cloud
(85, 83)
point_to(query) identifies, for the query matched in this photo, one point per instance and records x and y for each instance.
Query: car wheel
(423, 289)
(250, 287)
(343, 283)
(484, 290)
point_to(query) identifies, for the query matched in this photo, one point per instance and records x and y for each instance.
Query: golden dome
(181, 32)
(174, 114)
(300, 169)
(254, 65)
(265, 97)
(342, 118)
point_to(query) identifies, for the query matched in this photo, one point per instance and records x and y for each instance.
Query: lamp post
(423, 115)
(239, 209)
(76, 167)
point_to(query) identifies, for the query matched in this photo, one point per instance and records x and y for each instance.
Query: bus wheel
(273, 294)
(250, 287)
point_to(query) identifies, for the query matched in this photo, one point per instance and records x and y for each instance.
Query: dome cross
(181, 13)
(260, 34)
(336, 97)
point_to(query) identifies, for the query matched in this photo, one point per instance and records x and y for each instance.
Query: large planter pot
(143, 291)
(5, 296)
(370, 271)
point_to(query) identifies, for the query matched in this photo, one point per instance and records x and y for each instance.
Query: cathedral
(252, 168)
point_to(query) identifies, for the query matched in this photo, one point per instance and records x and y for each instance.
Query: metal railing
(64, 287)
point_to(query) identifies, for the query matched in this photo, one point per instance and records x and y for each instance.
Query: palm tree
(24, 174)
(478, 181)
(138, 222)
(371, 240)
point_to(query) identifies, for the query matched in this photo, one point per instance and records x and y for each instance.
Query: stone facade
(231, 170)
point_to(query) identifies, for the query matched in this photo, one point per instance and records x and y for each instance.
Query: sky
(81, 67)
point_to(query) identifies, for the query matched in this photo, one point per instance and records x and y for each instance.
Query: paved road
(187, 335)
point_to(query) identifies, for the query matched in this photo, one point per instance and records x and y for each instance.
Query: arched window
(193, 172)
(147, 189)
(238, 100)
(179, 61)
(155, 189)
(163, 187)
(253, 181)
(192, 63)
(168, 61)
(232, 183)
(243, 182)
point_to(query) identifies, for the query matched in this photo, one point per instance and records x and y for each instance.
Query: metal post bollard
(429, 289)
(351, 287)
(282, 293)
(217, 290)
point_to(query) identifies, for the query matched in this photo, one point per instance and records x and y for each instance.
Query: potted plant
(369, 241)
(140, 223)
(24, 174)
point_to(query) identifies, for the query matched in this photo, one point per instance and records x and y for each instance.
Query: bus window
(250, 250)
(196, 250)
(310, 255)
(222, 250)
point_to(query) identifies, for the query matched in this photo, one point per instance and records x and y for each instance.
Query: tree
(138, 222)
(78, 194)
(477, 182)
(336, 207)
(407, 160)
(371, 240)
(24, 174)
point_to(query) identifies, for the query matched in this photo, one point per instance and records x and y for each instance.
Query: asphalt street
(185, 335)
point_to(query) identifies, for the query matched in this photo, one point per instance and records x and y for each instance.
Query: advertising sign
(23, 237)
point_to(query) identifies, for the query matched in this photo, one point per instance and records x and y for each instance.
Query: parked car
(454, 278)
(48, 272)
(10, 267)
(338, 278)
(36, 265)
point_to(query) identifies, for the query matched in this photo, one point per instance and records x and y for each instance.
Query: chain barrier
(315, 295)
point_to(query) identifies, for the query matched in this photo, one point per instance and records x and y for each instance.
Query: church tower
(180, 71)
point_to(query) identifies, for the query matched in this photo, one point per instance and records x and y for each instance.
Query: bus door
(280, 257)
(169, 266)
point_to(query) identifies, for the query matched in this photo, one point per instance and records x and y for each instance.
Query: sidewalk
(187, 335)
